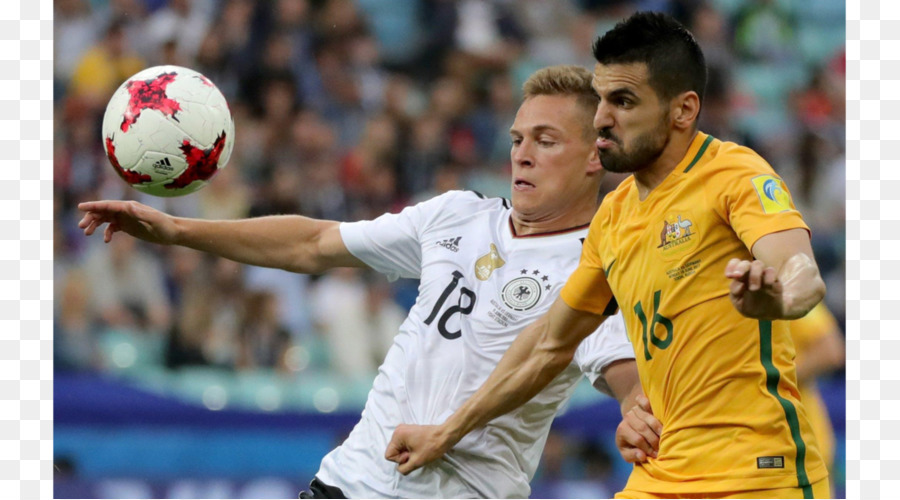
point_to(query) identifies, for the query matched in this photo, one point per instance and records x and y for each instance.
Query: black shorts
(318, 489)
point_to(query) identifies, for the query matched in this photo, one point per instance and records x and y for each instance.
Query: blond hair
(565, 80)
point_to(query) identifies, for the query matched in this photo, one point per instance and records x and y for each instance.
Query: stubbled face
(632, 123)
(551, 152)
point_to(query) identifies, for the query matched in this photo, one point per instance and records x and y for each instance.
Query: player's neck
(649, 178)
(528, 225)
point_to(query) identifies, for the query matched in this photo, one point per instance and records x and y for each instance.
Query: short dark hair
(674, 60)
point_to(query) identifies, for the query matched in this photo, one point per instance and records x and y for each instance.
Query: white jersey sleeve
(608, 344)
(391, 244)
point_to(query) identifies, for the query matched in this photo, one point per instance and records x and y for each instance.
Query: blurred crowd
(346, 109)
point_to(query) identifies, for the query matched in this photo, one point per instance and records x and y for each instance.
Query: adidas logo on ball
(163, 165)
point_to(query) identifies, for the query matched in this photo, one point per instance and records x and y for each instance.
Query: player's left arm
(783, 280)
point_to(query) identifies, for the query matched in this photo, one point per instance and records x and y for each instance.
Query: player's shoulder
(472, 196)
(460, 202)
(722, 159)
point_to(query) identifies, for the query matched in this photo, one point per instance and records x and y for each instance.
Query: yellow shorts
(819, 489)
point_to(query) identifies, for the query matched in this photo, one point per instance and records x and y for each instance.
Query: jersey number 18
(458, 308)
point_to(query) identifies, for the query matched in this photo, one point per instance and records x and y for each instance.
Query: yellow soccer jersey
(805, 331)
(723, 385)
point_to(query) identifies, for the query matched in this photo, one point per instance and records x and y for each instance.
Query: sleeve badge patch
(773, 195)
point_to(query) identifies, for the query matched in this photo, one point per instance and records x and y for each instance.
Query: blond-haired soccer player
(702, 249)
(487, 268)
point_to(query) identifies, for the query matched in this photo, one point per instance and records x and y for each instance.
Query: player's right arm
(289, 242)
(538, 354)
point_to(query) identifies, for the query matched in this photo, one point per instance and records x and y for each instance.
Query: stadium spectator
(766, 31)
(229, 198)
(181, 23)
(104, 67)
(264, 340)
(425, 152)
(188, 338)
(225, 296)
(75, 330)
(350, 312)
(126, 288)
(75, 23)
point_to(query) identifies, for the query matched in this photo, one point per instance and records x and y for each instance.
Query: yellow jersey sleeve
(587, 288)
(755, 201)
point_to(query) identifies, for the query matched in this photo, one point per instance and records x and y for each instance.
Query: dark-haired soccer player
(702, 249)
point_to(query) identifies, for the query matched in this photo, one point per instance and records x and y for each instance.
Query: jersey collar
(698, 147)
(512, 230)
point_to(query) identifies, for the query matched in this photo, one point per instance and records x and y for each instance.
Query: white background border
(26, 244)
(26, 249)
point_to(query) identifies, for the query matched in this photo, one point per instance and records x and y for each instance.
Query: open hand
(413, 446)
(637, 436)
(138, 220)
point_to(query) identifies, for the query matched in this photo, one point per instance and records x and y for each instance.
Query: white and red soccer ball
(167, 130)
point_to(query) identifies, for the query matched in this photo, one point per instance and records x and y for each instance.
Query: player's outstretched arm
(637, 436)
(782, 283)
(539, 353)
(290, 242)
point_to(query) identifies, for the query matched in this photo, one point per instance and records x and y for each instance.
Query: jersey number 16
(658, 319)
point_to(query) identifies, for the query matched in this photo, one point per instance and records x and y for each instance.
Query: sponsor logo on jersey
(487, 263)
(451, 244)
(770, 462)
(773, 195)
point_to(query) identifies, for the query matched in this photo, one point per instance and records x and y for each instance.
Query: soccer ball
(167, 130)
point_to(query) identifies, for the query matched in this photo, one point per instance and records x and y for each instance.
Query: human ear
(685, 109)
(594, 164)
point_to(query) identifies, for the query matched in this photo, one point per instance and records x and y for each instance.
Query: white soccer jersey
(480, 285)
